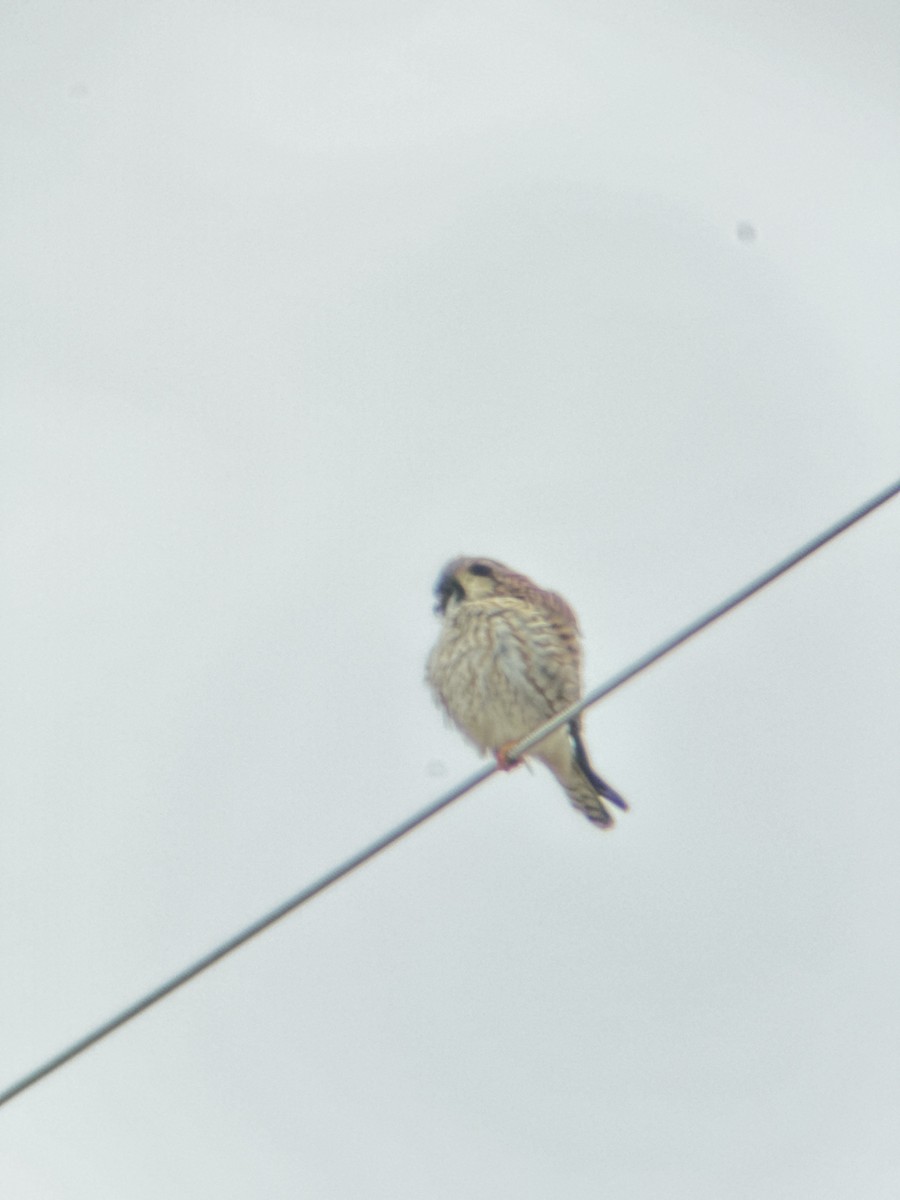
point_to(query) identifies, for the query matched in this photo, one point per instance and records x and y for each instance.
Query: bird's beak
(447, 587)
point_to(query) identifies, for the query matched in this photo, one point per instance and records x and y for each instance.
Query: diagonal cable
(689, 631)
(325, 881)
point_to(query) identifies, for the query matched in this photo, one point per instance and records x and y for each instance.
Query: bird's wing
(537, 651)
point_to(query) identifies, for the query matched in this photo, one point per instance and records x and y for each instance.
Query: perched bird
(508, 659)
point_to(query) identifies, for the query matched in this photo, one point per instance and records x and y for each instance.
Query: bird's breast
(479, 671)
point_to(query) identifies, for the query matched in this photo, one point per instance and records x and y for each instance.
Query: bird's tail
(565, 755)
(587, 799)
(600, 786)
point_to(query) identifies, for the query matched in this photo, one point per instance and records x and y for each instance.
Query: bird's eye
(480, 569)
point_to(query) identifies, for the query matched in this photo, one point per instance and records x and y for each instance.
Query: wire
(689, 631)
(201, 964)
(325, 881)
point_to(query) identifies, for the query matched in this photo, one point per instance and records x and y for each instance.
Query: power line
(201, 964)
(689, 631)
(399, 831)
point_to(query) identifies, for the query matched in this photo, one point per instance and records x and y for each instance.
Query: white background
(302, 300)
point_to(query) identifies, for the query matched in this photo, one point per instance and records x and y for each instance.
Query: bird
(507, 659)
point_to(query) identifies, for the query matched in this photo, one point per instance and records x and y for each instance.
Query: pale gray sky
(301, 301)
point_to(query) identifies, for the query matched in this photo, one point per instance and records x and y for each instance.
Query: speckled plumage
(508, 658)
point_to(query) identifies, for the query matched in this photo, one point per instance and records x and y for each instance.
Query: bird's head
(470, 579)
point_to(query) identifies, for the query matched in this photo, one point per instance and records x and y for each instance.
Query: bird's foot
(502, 755)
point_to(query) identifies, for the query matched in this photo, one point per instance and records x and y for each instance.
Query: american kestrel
(508, 658)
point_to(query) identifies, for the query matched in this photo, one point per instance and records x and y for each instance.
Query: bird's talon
(502, 755)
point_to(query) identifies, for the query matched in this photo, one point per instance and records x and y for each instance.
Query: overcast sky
(299, 302)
